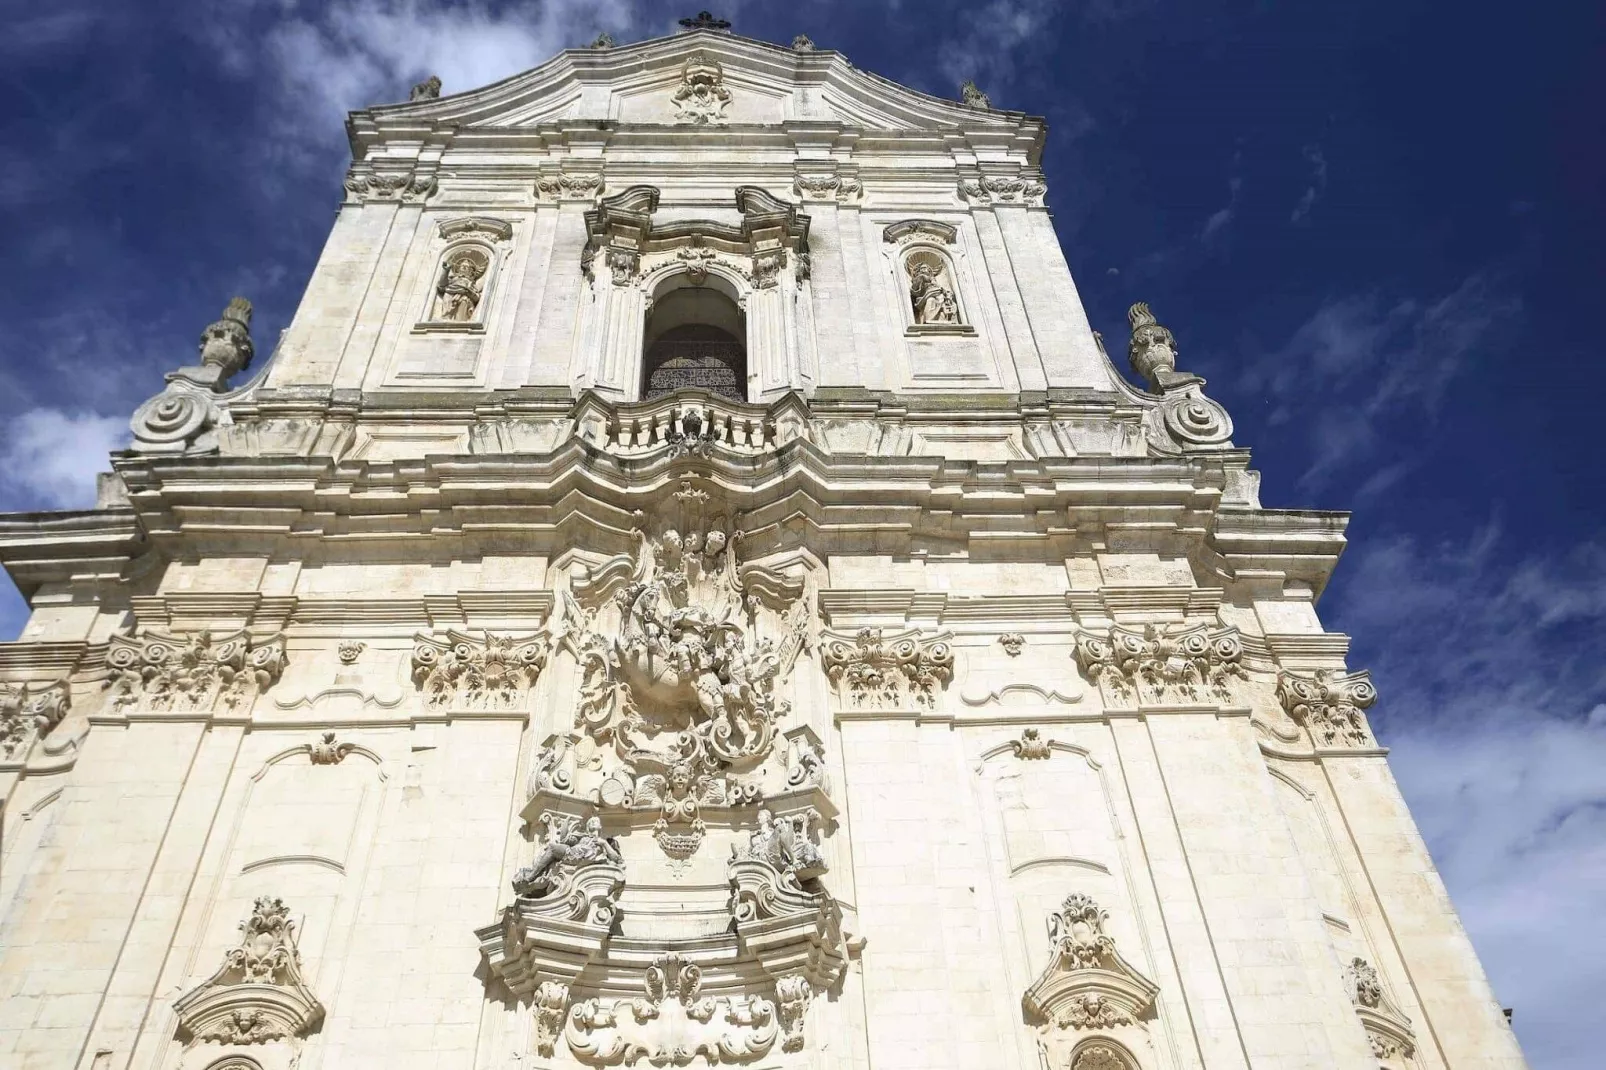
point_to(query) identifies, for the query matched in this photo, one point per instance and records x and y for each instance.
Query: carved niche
(195, 672)
(1163, 664)
(1086, 988)
(467, 672)
(873, 671)
(257, 995)
(27, 714)
(926, 271)
(1329, 704)
(1388, 1030)
(702, 96)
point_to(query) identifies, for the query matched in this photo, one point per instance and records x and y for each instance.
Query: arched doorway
(695, 337)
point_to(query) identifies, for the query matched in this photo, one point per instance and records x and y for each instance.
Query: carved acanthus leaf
(1329, 705)
(1162, 664)
(871, 670)
(27, 714)
(258, 994)
(195, 672)
(466, 672)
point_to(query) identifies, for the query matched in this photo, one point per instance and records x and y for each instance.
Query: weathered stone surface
(926, 696)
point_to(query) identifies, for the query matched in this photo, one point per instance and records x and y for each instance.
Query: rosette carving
(1329, 705)
(468, 672)
(195, 672)
(870, 670)
(1160, 664)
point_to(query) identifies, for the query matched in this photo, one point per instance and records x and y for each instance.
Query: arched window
(695, 337)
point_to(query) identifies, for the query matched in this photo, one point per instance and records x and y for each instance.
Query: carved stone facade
(538, 707)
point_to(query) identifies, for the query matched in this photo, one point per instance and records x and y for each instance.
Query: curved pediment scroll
(257, 995)
(1087, 987)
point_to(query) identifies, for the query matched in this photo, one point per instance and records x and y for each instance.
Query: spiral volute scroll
(1195, 420)
(173, 420)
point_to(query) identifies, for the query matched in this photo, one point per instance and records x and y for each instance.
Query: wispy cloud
(1318, 183)
(1365, 357)
(49, 457)
(1492, 702)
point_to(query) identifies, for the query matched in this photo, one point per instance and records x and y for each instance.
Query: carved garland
(192, 673)
(1161, 664)
(870, 670)
(1329, 705)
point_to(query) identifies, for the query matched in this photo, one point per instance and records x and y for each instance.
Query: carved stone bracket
(1087, 985)
(1388, 1030)
(1162, 664)
(258, 994)
(196, 672)
(1329, 704)
(1026, 188)
(870, 670)
(559, 186)
(466, 672)
(27, 714)
(364, 184)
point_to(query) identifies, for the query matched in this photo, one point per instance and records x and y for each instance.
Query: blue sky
(1377, 228)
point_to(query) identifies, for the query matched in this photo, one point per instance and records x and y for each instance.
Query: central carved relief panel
(674, 907)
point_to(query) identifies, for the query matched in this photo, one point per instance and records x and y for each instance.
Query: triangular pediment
(759, 84)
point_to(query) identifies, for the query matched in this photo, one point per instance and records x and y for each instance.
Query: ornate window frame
(930, 240)
(453, 237)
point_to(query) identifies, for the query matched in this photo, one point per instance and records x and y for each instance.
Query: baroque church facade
(689, 587)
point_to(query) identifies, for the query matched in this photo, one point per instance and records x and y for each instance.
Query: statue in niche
(569, 845)
(931, 291)
(457, 295)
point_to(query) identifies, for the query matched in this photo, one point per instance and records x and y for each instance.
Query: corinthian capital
(1329, 705)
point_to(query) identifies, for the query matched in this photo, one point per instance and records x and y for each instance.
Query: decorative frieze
(466, 672)
(27, 714)
(873, 671)
(258, 994)
(192, 673)
(1329, 704)
(1162, 664)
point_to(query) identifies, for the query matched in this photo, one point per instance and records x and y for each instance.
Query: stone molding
(257, 995)
(1329, 705)
(197, 672)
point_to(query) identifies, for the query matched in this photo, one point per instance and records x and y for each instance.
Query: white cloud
(1491, 689)
(1361, 359)
(50, 457)
(1318, 183)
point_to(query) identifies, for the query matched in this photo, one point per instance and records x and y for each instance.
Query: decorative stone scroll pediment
(495, 230)
(873, 671)
(466, 672)
(1329, 705)
(910, 230)
(772, 234)
(190, 673)
(258, 994)
(1087, 986)
(27, 714)
(1388, 1030)
(1162, 664)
